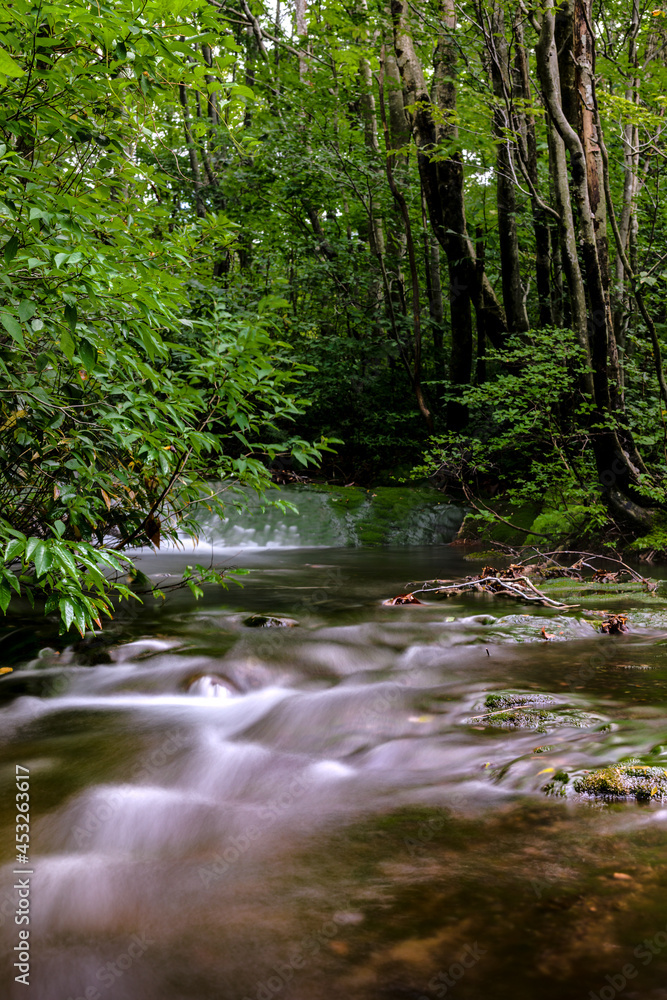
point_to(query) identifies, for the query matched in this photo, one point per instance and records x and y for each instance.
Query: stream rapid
(220, 812)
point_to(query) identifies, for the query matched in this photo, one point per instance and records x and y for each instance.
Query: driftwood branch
(506, 585)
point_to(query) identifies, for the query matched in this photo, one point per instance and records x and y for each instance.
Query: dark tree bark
(514, 298)
(525, 128)
(617, 461)
(442, 184)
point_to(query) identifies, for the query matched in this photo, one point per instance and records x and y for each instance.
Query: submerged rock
(520, 710)
(638, 781)
(511, 699)
(269, 621)
(541, 720)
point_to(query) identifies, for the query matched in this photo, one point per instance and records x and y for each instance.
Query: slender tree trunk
(399, 136)
(480, 367)
(498, 59)
(434, 290)
(617, 470)
(442, 184)
(525, 128)
(212, 100)
(302, 32)
(416, 371)
(200, 207)
(630, 183)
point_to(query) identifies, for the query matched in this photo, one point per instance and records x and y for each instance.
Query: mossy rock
(511, 699)
(389, 515)
(541, 720)
(623, 781)
(520, 710)
(564, 587)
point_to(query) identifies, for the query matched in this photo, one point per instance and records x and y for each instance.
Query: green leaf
(9, 66)
(5, 596)
(14, 547)
(88, 354)
(31, 545)
(79, 616)
(26, 310)
(240, 90)
(11, 249)
(67, 611)
(43, 559)
(67, 345)
(71, 315)
(13, 327)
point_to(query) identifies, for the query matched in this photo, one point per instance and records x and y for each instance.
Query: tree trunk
(434, 290)
(442, 184)
(513, 291)
(399, 136)
(525, 128)
(617, 471)
(630, 183)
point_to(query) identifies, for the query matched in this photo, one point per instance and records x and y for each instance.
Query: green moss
(385, 514)
(520, 710)
(510, 699)
(638, 781)
(541, 720)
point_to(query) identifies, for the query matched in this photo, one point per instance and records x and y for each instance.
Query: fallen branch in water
(505, 586)
(491, 581)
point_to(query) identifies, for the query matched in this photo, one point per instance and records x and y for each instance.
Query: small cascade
(330, 516)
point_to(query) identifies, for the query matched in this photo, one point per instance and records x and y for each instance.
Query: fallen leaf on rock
(622, 876)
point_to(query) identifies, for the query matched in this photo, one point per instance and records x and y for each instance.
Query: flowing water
(220, 812)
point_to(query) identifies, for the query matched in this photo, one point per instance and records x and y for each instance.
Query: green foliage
(528, 439)
(126, 384)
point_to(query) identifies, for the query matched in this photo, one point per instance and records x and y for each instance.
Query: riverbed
(326, 809)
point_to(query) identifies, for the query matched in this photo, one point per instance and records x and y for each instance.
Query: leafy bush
(118, 402)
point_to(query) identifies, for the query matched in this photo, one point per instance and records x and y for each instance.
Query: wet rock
(511, 699)
(521, 710)
(269, 621)
(541, 720)
(209, 686)
(638, 781)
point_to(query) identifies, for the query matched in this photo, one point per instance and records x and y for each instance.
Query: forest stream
(331, 809)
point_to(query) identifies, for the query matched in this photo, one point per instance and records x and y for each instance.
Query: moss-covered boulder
(623, 781)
